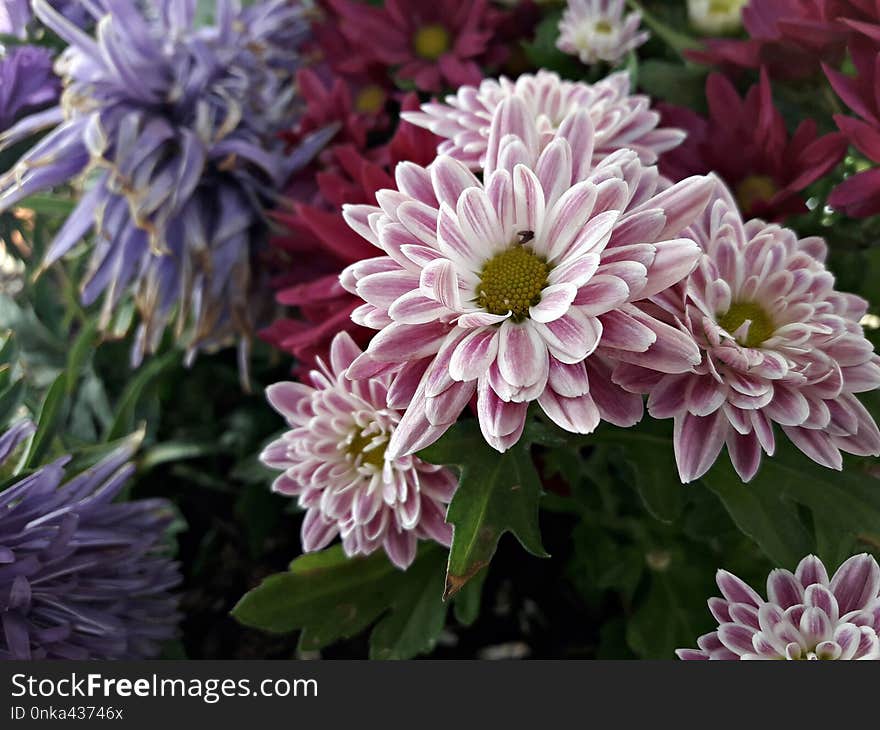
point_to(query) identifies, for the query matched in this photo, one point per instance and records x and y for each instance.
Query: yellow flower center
(760, 329)
(603, 27)
(724, 7)
(512, 281)
(431, 42)
(370, 100)
(361, 449)
(754, 189)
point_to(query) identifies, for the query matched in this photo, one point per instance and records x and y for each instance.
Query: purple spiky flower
(173, 130)
(81, 576)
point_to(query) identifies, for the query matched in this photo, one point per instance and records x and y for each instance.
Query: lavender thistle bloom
(82, 577)
(174, 130)
(27, 83)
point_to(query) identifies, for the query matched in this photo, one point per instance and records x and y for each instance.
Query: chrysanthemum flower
(27, 83)
(859, 195)
(779, 345)
(745, 141)
(716, 16)
(436, 45)
(596, 30)
(175, 129)
(83, 577)
(805, 616)
(517, 288)
(619, 119)
(788, 37)
(335, 460)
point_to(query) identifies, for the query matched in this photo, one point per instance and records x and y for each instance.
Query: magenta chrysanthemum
(779, 344)
(597, 30)
(620, 119)
(520, 288)
(806, 616)
(335, 461)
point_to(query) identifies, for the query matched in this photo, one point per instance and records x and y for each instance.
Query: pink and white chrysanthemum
(805, 616)
(597, 30)
(620, 119)
(335, 461)
(779, 345)
(520, 288)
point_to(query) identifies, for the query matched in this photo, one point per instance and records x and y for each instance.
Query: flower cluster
(83, 577)
(805, 616)
(176, 129)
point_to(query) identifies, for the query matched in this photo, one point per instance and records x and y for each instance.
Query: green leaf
(10, 400)
(331, 597)
(50, 205)
(497, 493)
(760, 512)
(417, 613)
(47, 421)
(543, 53)
(82, 349)
(674, 83)
(466, 604)
(125, 413)
(662, 622)
(647, 449)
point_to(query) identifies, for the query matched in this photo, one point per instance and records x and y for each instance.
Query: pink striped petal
(474, 354)
(571, 338)
(697, 441)
(555, 301)
(522, 355)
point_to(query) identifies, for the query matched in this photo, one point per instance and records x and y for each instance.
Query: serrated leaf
(331, 597)
(466, 604)
(647, 448)
(497, 493)
(417, 613)
(759, 512)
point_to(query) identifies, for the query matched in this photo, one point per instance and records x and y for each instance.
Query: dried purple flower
(81, 576)
(174, 130)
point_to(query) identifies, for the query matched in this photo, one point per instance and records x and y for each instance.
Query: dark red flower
(746, 143)
(859, 195)
(317, 243)
(435, 44)
(790, 38)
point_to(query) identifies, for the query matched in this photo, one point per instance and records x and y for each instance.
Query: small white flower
(596, 30)
(716, 16)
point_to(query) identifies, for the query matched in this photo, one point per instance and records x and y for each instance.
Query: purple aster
(27, 83)
(81, 576)
(805, 616)
(174, 129)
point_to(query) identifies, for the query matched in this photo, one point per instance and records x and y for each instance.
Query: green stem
(679, 42)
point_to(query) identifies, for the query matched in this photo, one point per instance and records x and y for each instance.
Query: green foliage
(497, 493)
(331, 597)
